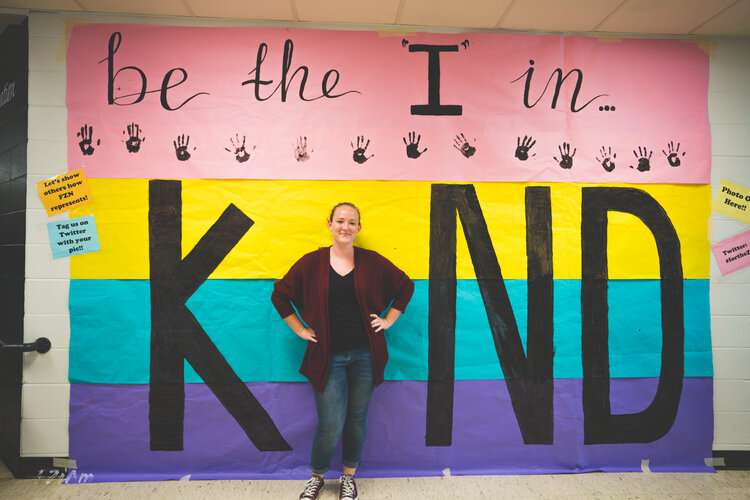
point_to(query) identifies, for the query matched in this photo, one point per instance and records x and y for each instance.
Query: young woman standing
(340, 292)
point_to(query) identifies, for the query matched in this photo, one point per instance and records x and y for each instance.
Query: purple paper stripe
(109, 433)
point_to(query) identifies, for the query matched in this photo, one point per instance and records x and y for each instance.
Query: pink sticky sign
(733, 253)
(178, 102)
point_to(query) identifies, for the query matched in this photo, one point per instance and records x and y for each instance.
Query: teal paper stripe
(110, 331)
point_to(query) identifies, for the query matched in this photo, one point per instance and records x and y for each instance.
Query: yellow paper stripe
(290, 220)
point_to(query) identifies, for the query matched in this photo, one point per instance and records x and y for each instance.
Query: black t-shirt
(347, 328)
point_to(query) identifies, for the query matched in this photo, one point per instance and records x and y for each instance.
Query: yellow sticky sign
(64, 192)
(733, 200)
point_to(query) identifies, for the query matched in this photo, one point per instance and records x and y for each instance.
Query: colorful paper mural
(548, 195)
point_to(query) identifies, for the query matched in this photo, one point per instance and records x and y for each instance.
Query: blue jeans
(343, 405)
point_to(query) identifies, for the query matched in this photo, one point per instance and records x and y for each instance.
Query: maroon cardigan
(376, 282)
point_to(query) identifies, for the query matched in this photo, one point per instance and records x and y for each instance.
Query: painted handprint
(566, 157)
(133, 144)
(644, 162)
(180, 147)
(238, 149)
(86, 135)
(673, 154)
(462, 144)
(300, 151)
(523, 147)
(359, 150)
(412, 147)
(606, 159)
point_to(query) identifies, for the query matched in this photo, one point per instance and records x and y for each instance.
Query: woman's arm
(299, 328)
(398, 286)
(287, 292)
(382, 324)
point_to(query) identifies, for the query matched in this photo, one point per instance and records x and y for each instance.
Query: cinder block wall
(729, 114)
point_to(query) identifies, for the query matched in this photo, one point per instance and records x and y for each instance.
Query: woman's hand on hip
(379, 324)
(308, 334)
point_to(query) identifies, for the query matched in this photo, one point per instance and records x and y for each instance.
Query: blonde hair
(344, 204)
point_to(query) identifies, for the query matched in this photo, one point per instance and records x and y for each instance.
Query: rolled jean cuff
(350, 464)
(319, 471)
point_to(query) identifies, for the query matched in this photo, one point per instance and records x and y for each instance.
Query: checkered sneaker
(312, 488)
(348, 489)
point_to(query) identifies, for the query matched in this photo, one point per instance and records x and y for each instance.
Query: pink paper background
(737, 240)
(659, 89)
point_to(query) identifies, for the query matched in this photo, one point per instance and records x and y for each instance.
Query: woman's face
(345, 225)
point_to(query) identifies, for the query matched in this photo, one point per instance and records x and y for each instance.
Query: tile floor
(722, 485)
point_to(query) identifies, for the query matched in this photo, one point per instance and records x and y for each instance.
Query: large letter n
(529, 378)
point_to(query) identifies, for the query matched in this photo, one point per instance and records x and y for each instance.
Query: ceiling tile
(735, 21)
(700, 17)
(677, 17)
(348, 11)
(279, 10)
(148, 7)
(41, 4)
(559, 16)
(463, 14)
